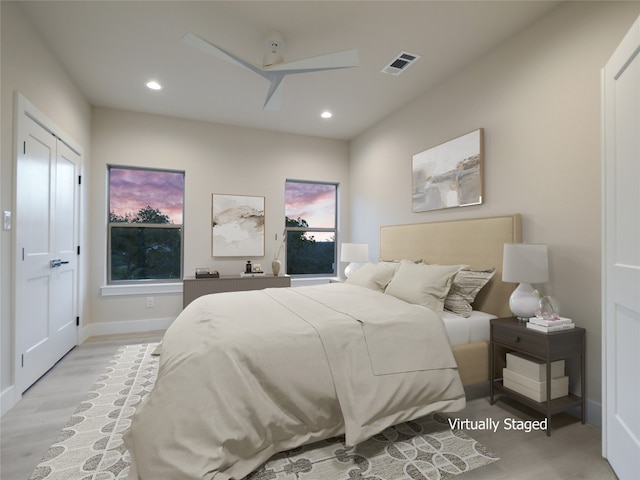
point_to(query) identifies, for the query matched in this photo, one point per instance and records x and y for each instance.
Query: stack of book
(528, 377)
(252, 274)
(546, 326)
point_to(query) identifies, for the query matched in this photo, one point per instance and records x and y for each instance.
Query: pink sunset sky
(131, 190)
(313, 202)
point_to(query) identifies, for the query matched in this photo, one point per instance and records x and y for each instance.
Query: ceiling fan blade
(207, 47)
(274, 96)
(330, 61)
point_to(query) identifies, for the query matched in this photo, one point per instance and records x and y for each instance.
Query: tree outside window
(145, 225)
(310, 222)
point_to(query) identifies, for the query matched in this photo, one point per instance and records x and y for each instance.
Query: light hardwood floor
(29, 428)
(572, 452)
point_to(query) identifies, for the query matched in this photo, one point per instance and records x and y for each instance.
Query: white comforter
(245, 375)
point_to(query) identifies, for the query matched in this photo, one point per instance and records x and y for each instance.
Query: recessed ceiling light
(326, 114)
(153, 85)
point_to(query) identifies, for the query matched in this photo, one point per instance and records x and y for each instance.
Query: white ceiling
(112, 48)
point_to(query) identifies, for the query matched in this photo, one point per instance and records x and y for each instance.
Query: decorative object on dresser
(528, 366)
(356, 254)
(525, 263)
(448, 175)
(237, 226)
(276, 265)
(207, 273)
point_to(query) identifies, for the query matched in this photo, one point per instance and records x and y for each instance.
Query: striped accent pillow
(466, 285)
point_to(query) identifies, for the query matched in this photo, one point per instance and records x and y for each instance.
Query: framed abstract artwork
(237, 226)
(448, 175)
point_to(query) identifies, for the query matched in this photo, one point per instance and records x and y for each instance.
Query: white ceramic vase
(275, 267)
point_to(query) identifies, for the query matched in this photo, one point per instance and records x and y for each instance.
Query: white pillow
(373, 276)
(422, 284)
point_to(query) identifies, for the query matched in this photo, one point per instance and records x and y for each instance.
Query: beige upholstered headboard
(476, 242)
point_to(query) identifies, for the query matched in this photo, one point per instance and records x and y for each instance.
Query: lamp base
(352, 267)
(524, 302)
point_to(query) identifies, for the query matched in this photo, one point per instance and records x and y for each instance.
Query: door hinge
(79, 179)
(22, 360)
(24, 148)
(77, 321)
(78, 249)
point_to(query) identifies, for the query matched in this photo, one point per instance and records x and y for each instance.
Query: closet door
(621, 263)
(46, 249)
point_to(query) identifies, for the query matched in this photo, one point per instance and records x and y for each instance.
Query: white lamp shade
(354, 252)
(525, 263)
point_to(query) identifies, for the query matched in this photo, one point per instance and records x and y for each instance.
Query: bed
(476, 242)
(244, 375)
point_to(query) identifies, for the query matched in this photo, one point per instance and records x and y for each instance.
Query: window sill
(304, 281)
(146, 289)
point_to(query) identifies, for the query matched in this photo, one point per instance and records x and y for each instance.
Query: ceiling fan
(274, 69)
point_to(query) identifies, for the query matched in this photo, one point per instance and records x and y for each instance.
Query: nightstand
(510, 335)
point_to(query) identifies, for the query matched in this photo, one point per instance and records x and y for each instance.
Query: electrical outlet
(150, 302)
(6, 220)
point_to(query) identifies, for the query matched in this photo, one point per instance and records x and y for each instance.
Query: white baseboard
(594, 413)
(7, 400)
(128, 326)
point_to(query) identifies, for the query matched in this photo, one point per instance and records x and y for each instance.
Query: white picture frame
(237, 225)
(449, 175)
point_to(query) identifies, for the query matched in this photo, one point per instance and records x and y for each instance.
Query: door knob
(57, 262)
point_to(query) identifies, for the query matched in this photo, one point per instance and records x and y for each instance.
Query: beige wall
(28, 67)
(216, 159)
(538, 99)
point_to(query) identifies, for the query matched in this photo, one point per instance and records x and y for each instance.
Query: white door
(621, 260)
(46, 250)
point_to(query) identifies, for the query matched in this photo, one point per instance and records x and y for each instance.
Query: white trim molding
(8, 399)
(127, 326)
(141, 289)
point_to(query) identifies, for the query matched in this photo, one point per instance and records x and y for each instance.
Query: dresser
(196, 287)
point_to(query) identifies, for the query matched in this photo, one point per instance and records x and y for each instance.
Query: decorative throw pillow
(422, 284)
(374, 276)
(466, 285)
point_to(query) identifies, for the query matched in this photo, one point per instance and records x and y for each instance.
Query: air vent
(400, 63)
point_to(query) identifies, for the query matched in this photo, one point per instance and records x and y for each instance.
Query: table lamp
(355, 253)
(525, 263)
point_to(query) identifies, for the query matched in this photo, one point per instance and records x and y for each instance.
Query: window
(310, 221)
(145, 225)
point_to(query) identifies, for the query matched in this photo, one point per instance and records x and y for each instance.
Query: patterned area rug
(90, 446)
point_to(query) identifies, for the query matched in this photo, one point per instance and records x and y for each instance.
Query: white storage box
(533, 368)
(533, 389)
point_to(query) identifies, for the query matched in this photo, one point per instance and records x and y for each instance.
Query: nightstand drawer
(532, 343)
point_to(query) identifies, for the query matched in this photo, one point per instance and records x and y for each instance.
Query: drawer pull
(516, 339)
